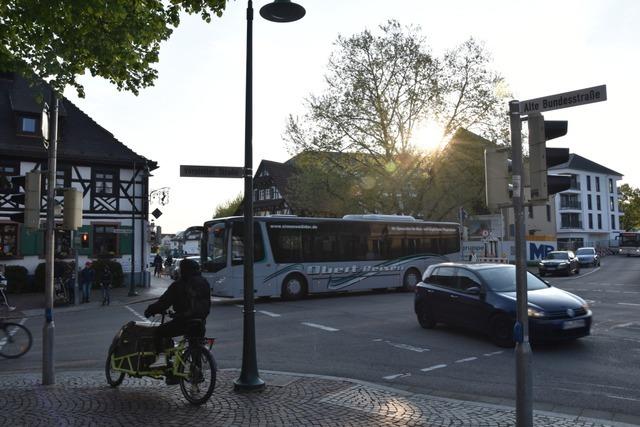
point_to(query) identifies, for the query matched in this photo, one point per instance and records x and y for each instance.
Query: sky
(195, 112)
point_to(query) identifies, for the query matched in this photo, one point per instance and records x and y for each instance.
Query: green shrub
(17, 279)
(41, 269)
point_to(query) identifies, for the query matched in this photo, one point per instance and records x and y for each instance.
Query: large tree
(630, 206)
(229, 207)
(380, 87)
(118, 40)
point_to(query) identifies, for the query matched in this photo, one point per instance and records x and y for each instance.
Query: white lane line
(239, 305)
(623, 325)
(623, 398)
(494, 353)
(629, 303)
(631, 292)
(138, 315)
(468, 359)
(268, 313)
(403, 346)
(393, 377)
(324, 328)
(433, 368)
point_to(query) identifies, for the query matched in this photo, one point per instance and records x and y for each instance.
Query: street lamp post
(249, 380)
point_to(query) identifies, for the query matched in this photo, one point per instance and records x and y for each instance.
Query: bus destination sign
(564, 100)
(195, 171)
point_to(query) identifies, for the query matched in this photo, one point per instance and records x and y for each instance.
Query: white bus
(297, 256)
(629, 243)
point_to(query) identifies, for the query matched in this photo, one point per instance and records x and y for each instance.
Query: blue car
(483, 297)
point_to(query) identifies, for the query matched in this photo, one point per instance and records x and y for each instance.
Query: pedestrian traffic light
(84, 240)
(541, 158)
(497, 171)
(30, 199)
(72, 214)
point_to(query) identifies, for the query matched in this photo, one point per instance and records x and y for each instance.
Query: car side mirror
(474, 290)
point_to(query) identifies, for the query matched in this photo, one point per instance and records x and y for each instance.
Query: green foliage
(17, 279)
(380, 88)
(229, 207)
(630, 205)
(118, 40)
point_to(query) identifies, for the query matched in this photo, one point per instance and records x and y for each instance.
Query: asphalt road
(375, 337)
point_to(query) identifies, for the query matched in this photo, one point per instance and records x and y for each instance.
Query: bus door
(214, 258)
(262, 267)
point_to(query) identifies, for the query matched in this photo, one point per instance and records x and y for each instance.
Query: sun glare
(427, 136)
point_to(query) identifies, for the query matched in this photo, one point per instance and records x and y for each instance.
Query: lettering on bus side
(323, 269)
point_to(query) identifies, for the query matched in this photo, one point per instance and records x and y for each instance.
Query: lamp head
(282, 11)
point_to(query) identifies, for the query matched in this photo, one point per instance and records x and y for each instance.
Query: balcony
(570, 205)
(572, 225)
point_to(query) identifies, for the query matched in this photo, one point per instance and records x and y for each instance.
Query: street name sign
(194, 171)
(564, 100)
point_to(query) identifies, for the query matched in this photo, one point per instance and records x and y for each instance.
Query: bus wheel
(294, 287)
(410, 280)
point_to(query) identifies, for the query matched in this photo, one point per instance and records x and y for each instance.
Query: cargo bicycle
(189, 362)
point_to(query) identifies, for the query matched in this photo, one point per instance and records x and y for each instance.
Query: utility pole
(524, 388)
(48, 374)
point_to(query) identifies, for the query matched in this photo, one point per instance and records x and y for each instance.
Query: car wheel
(426, 320)
(294, 287)
(577, 270)
(501, 330)
(410, 279)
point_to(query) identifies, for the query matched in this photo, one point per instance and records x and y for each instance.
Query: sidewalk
(290, 399)
(28, 305)
(84, 398)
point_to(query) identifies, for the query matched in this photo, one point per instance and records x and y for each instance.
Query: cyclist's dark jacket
(176, 296)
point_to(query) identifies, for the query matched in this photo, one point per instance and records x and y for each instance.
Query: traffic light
(72, 214)
(497, 171)
(541, 158)
(84, 240)
(30, 199)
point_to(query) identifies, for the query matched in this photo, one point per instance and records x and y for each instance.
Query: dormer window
(27, 125)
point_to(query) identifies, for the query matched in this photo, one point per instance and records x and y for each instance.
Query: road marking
(623, 325)
(629, 303)
(239, 305)
(623, 398)
(393, 377)
(403, 346)
(138, 315)
(494, 353)
(433, 368)
(631, 292)
(324, 328)
(468, 359)
(268, 313)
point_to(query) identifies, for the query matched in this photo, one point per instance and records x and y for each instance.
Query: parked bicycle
(15, 339)
(60, 293)
(189, 363)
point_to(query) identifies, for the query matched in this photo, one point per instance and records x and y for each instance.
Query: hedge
(17, 279)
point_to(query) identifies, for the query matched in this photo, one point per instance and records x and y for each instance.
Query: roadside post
(519, 112)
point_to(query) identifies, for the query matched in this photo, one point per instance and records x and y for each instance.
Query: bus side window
(237, 244)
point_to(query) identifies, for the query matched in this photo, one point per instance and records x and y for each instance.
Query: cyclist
(189, 297)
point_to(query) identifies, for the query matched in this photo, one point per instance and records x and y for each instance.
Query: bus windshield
(630, 239)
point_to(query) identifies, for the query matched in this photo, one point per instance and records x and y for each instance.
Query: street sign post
(531, 107)
(195, 171)
(564, 100)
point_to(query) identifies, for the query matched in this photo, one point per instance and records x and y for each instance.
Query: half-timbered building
(113, 180)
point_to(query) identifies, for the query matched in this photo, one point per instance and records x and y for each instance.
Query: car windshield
(586, 251)
(504, 280)
(557, 255)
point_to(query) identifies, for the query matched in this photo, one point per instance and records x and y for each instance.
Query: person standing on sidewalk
(105, 282)
(87, 276)
(157, 265)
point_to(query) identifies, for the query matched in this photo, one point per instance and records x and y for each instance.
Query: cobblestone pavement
(84, 399)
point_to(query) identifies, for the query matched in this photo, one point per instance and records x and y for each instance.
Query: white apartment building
(587, 214)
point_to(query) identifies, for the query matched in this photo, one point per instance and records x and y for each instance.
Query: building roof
(279, 172)
(81, 139)
(583, 164)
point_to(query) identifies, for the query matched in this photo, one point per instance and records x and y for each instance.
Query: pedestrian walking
(87, 276)
(157, 266)
(105, 282)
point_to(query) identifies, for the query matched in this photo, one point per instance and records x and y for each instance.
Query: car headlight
(585, 306)
(534, 312)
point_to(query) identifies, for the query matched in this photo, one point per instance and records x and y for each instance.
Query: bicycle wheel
(114, 378)
(15, 340)
(199, 375)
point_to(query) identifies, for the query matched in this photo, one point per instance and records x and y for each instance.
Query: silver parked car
(588, 256)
